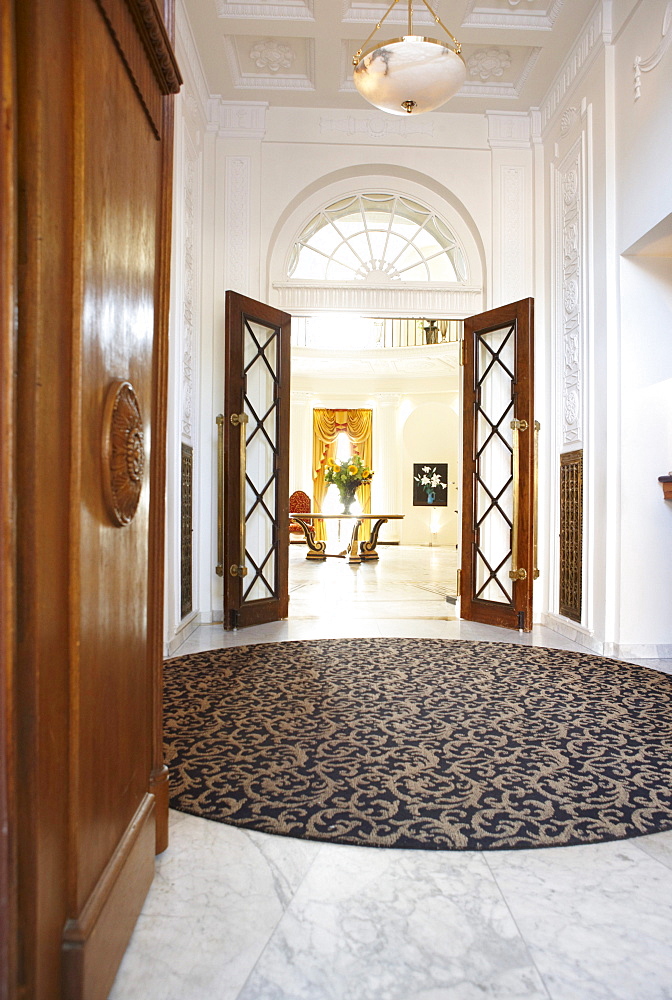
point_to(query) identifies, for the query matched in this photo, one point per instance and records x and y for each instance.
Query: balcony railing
(345, 332)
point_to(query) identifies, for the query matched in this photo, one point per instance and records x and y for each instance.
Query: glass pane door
(498, 467)
(256, 451)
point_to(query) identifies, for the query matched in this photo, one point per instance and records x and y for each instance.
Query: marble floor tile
(217, 897)
(395, 925)
(596, 918)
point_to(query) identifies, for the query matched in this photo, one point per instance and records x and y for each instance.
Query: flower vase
(347, 496)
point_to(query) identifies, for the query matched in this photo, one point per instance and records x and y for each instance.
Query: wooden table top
(343, 517)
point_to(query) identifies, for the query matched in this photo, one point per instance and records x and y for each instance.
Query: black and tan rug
(420, 743)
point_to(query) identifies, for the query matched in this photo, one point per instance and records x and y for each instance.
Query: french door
(254, 472)
(499, 468)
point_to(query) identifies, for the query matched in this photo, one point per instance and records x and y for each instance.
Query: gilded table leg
(367, 550)
(316, 550)
(353, 547)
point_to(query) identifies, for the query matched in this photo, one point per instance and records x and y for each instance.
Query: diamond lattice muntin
(261, 405)
(495, 359)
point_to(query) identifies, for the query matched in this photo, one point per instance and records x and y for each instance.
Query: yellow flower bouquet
(347, 476)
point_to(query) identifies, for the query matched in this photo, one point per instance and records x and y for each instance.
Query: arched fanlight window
(377, 237)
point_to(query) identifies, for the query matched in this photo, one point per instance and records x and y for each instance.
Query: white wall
(607, 323)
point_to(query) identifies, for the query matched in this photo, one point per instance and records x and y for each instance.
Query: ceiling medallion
(409, 75)
(123, 452)
(272, 55)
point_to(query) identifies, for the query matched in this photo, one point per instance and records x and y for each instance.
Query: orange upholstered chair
(299, 503)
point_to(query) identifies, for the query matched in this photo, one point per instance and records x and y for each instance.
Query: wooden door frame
(8, 293)
(250, 309)
(519, 614)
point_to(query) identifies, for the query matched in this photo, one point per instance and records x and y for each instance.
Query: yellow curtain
(327, 425)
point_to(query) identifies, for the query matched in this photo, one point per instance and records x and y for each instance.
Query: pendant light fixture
(409, 75)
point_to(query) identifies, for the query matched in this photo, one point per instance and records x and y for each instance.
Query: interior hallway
(239, 915)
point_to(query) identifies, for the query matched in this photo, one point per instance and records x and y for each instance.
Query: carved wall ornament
(646, 65)
(271, 55)
(569, 292)
(488, 63)
(123, 452)
(569, 116)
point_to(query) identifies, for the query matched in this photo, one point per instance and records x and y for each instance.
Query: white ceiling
(298, 53)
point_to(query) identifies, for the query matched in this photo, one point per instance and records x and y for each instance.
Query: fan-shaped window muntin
(377, 236)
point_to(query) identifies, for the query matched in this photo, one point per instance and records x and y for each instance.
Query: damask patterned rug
(420, 743)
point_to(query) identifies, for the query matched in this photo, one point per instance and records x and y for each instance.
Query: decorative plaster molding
(299, 396)
(237, 119)
(270, 54)
(388, 398)
(512, 130)
(569, 291)
(483, 15)
(512, 245)
(488, 63)
(416, 300)
(267, 80)
(378, 126)
(472, 88)
(190, 189)
(186, 47)
(569, 117)
(237, 215)
(365, 12)
(646, 65)
(283, 10)
(585, 50)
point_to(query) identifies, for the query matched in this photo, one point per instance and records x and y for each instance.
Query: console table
(358, 550)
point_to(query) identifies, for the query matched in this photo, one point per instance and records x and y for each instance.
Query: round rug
(420, 743)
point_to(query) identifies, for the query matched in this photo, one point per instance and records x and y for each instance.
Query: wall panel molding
(237, 214)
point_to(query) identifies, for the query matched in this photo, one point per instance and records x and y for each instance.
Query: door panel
(498, 467)
(256, 468)
(93, 161)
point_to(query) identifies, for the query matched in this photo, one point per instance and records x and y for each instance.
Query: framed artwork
(430, 484)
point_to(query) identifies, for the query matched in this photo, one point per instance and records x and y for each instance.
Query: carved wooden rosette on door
(123, 452)
(499, 468)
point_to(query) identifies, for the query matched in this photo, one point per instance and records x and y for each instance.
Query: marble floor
(239, 915)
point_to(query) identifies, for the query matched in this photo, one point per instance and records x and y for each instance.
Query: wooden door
(499, 488)
(255, 429)
(93, 166)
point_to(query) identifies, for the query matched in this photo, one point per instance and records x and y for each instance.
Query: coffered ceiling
(298, 53)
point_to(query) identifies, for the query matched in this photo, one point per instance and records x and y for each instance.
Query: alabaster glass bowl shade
(413, 68)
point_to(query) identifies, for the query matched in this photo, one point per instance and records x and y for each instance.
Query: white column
(386, 487)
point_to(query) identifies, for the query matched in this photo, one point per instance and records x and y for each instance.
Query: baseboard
(617, 650)
(638, 651)
(160, 789)
(574, 631)
(94, 942)
(182, 632)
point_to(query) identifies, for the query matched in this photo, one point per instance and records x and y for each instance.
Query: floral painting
(430, 484)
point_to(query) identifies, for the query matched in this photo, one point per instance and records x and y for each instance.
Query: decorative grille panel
(571, 534)
(186, 549)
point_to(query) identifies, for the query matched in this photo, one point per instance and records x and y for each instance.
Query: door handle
(240, 420)
(517, 572)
